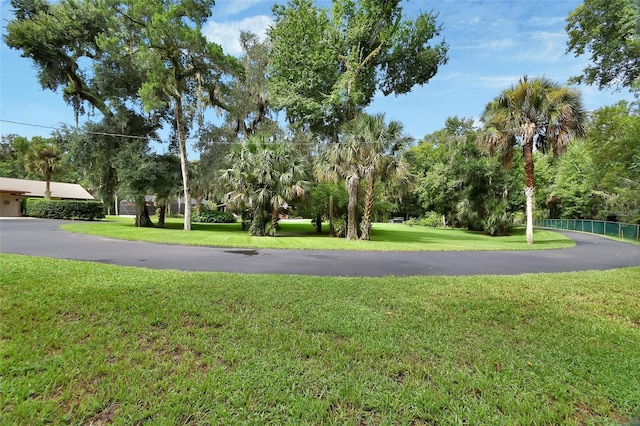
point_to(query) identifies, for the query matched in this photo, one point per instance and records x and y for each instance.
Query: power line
(27, 124)
(122, 135)
(84, 131)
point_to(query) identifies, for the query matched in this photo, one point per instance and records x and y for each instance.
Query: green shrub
(499, 219)
(213, 216)
(340, 227)
(64, 209)
(430, 219)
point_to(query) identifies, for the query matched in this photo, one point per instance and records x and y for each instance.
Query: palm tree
(366, 153)
(536, 113)
(344, 160)
(264, 177)
(381, 145)
(43, 159)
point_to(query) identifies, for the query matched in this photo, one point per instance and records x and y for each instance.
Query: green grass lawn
(300, 234)
(86, 343)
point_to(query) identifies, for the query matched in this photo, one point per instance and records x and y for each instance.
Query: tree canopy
(326, 65)
(609, 30)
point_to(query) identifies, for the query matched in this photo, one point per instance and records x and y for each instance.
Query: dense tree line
(146, 67)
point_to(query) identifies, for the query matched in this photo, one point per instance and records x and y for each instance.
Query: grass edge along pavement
(300, 234)
(102, 343)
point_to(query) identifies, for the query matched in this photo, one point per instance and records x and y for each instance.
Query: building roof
(36, 188)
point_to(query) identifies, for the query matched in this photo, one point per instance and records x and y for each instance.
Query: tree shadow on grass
(421, 235)
(287, 229)
(209, 227)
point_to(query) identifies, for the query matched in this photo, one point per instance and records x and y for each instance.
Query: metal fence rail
(613, 229)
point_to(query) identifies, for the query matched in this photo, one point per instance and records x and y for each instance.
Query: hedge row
(213, 216)
(64, 209)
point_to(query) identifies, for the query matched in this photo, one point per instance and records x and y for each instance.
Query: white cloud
(497, 82)
(552, 41)
(497, 44)
(544, 47)
(227, 34)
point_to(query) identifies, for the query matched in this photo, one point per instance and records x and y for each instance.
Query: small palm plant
(43, 159)
(265, 176)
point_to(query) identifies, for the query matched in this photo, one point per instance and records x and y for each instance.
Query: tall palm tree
(366, 152)
(535, 113)
(381, 142)
(44, 159)
(344, 160)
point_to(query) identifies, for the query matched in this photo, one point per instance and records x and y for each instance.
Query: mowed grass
(300, 234)
(84, 343)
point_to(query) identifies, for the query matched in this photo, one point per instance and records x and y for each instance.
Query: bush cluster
(64, 209)
(430, 219)
(213, 216)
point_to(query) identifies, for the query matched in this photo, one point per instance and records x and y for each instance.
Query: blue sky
(492, 43)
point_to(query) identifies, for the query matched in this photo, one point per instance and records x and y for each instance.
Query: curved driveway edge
(43, 237)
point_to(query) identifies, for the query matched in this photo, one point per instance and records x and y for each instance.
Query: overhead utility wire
(85, 131)
(120, 135)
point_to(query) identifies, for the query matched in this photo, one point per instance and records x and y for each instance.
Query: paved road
(41, 237)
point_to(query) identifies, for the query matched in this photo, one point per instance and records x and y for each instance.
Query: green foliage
(43, 159)
(430, 219)
(64, 209)
(322, 196)
(370, 151)
(467, 186)
(499, 219)
(613, 144)
(120, 56)
(13, 149)
(575, 187)
(66, 41)
(213, 216)
(609, 30)
(340, 227)
(264, 177)
(538, 113)
(598, 177)
(183, 71)
(60, 38)
(326, 65)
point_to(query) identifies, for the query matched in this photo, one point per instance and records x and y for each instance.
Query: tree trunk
(258, 226)
(319, 222)
(529, 177)
(142, 214)
(198, 205)
(245, 219)
(368, 208)
(332, 229)
(353, 181)
(162, 213)
(47, 187)
(184, 164)
(529, 193)
(275, 219)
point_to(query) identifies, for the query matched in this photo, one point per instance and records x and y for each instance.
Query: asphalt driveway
(42, 237)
